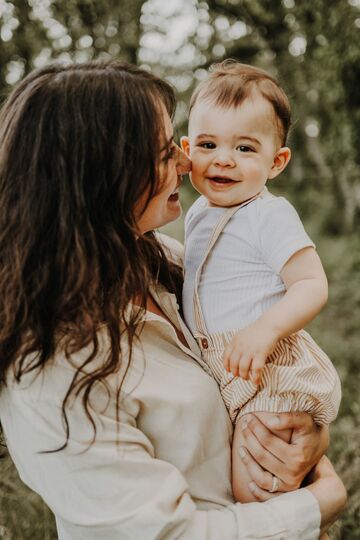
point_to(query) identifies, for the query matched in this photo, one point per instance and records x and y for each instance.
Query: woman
(106, 411)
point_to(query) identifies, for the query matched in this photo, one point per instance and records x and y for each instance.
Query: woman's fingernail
(252, 487)
(274, 421)
(244, 423)
(242, 452)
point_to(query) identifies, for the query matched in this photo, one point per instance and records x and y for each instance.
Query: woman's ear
(281, 159)
(185, 145)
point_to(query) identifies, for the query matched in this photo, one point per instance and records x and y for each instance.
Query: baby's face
(233, 150)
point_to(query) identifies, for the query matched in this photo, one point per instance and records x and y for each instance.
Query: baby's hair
(229, 83)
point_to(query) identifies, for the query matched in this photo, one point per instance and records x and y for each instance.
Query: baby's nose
(224, 158)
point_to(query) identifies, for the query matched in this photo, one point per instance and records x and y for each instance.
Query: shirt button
(204, 343)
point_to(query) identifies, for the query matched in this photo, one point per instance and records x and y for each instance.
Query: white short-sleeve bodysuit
(233, 260)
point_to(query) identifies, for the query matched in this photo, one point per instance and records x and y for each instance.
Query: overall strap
(219, 227)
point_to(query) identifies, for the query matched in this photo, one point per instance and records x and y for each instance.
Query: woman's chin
(174, 210)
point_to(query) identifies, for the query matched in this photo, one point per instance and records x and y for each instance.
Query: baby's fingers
(234, 359)
(244, 366)
(257, 366)
(226, 356)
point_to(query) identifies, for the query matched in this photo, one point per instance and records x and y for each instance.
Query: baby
(253, 279)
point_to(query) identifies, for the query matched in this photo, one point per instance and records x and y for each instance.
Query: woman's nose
(183, 163)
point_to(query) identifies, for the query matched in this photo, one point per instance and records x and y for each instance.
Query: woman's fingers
(263, 479)
(272, 453)
(261, 494)
(268, 441)
(308, 441)
(299, 421)
(288, 462)
(253, 433)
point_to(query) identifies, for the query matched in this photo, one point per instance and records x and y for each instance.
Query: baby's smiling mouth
(222, 180)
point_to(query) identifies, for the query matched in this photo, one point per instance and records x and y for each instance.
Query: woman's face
(164, 206)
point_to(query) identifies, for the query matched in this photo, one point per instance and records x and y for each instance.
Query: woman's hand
(289, 462)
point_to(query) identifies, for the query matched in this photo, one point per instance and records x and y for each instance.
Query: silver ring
(275, 484)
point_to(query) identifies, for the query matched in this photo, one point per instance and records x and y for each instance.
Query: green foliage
(36, 32)
(23, 515)
(337, 330)
(344, 452)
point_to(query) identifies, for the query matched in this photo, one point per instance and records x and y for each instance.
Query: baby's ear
(185, 145)
(281, 159)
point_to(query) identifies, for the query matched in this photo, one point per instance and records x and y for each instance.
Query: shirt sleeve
(279, 231)
(117, 489)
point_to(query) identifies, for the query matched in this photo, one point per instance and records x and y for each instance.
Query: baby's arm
(306, 294)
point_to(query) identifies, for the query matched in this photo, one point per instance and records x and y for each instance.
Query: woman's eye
(244, 148)
(170, 154)
(207, 145)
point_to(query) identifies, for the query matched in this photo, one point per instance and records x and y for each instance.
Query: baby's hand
(245, 356)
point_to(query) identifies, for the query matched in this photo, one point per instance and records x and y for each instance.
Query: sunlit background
(313, 48)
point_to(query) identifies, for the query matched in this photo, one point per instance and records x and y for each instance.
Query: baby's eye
(207, 145)
(244, 148)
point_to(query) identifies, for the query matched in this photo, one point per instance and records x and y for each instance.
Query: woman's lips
(175, 194)
(174, 197)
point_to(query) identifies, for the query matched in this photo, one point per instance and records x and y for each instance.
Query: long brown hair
(79, 145)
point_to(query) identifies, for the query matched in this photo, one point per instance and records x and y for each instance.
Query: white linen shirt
(169, 475)
(241, 278)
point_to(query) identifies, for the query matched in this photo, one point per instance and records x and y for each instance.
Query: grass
(23, 515)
